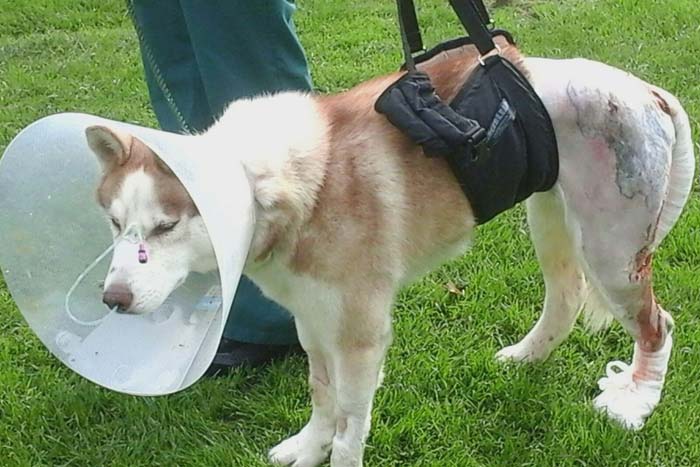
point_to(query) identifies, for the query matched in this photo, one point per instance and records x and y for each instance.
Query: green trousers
(199, 56)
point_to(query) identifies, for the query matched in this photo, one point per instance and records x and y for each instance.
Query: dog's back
(384, 207)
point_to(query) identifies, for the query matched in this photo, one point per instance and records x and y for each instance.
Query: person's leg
(189, 46)
(245, 49)
(257, 320)
(172, 74)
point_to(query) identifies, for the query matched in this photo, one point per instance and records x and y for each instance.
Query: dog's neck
(281, 140)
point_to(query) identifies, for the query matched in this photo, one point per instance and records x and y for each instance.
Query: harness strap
(471, 13)
(475, 19)
(407, 16)
(410, 32)
(495, 134)
(483, 13)
(457, 43)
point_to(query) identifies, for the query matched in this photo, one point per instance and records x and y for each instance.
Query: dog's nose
(119, 296)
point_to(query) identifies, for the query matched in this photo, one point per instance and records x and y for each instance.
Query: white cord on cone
(124, 236)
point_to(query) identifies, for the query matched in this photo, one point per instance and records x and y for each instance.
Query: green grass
(445, 402)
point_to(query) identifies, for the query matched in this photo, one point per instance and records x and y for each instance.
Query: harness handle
(475, 20)
(471, 13)
(410, 32)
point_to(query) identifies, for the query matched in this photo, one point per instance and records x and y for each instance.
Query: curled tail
(682, 172)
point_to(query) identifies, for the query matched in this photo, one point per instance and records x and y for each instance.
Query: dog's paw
(523, 352)
(301, 450)
(624, 400)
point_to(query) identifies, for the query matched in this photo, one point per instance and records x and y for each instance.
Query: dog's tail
(682, 172)
(595, 309)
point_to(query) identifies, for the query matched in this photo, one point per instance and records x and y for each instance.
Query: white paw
(624, 400)
(523, 351)
(301, 450)
(346, 454)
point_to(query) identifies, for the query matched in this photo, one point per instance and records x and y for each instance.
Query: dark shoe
(233, 354)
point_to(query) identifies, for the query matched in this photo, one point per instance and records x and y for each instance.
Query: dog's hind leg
(564, 279)
(624, 192)
(631, 392)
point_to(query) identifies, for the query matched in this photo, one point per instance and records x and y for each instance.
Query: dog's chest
(300, 294)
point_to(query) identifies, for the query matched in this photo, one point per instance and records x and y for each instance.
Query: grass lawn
(445, 401)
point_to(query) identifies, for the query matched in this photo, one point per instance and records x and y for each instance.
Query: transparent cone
(52, 229)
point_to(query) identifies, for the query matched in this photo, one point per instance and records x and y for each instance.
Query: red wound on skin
(642, 270)
(653, 325)
(649, 318)
(663, 105)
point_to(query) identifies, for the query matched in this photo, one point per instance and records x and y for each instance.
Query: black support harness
(495, 134)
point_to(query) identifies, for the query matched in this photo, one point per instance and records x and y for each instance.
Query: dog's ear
(111, 147)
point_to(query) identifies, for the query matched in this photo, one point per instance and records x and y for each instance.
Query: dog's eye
(164, 228)
(115, 223)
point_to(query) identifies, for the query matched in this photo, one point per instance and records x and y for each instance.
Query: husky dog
(348, 210)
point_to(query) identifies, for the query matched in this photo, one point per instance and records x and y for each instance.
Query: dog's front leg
(358, 374)
(363, 339)
(310, 447)
(346, 341)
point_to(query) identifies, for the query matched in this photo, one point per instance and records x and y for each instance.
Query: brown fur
(349, 196)
(172, 195)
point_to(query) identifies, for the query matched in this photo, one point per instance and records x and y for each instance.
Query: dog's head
(139, 192)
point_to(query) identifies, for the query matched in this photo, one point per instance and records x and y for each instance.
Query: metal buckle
(495, 51)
